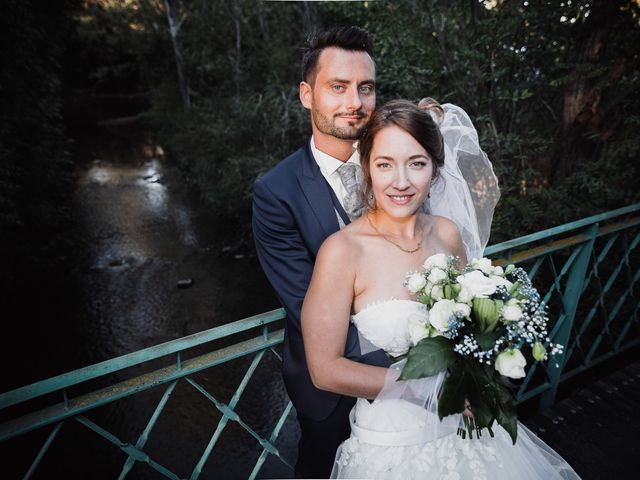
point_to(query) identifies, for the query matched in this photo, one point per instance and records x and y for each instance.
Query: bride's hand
(467, 412)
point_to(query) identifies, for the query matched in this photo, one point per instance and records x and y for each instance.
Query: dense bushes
(549, 86)
(35, 169)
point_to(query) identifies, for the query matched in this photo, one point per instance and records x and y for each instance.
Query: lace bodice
(386, 323)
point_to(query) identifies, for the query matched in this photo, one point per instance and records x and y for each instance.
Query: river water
(141, 230)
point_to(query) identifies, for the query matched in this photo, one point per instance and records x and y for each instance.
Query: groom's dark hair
(351, 38)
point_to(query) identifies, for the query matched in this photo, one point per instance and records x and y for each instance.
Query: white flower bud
(483, 264)
(511, 313)
(511, 363)
(438, 260)
(501, 281)
(416, 282)
(462, 310)
(442, 312)
(437, 293)
(465, 295)
(418, 328)
(539, 352)
(437, 275)
(477, 283)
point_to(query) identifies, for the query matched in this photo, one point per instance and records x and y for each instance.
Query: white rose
(498, 271)
(437, 292)
(477, 283)
(462, 310)
(501, 281)
(465, 295)
(418, 328)
(511, 313)
(483, 264)
(513, 301)
(438, 260)
(437, 275)
(441, 313)
(416, 282)
(511, 363)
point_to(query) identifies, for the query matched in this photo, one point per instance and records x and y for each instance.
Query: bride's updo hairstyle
(420, 121)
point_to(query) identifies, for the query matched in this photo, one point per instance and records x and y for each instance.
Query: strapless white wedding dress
(393, 438)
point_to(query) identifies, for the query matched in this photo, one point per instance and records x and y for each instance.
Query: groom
(298, 204)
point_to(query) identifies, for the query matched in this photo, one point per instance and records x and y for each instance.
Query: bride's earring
(371, 201)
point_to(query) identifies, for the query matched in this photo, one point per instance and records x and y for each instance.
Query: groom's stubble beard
(328, 126)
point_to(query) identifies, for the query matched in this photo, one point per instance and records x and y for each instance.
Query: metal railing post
(570, 300)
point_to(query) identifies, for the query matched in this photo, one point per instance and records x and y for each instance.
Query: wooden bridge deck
(596, 428)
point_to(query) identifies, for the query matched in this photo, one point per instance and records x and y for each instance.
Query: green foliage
(35, 170)
(429, 357)
(491, 401)
(549, 85)
(243, 71)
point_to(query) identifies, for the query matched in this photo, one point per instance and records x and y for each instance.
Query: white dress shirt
(329, 166)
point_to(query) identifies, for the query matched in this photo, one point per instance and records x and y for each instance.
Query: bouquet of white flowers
(480, 319)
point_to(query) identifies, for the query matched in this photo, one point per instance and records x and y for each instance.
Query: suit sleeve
(283, 255)
(288, 264)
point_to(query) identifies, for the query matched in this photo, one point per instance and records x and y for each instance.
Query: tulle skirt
(397, 439)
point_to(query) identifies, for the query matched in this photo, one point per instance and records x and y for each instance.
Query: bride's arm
(325, 321)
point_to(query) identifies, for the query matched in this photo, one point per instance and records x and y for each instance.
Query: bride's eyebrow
(412, 157)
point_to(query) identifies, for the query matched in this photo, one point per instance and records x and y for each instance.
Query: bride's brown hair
(417, 120)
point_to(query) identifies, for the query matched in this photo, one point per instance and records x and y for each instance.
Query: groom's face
(342, 96)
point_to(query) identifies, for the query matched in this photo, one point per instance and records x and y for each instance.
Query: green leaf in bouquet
(451, 290)
(429, 357)
(515, 288)
(448, 292)
(487, 312)
(454, 390)
(506, 414)
(425, 299)
(480, 395)
(487, 340)
(397, 359)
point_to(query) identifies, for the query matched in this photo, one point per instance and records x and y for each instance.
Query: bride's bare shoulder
(443, 226)
(445, 231)
(342, 246)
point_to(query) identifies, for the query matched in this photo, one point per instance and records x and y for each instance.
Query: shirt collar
(328, 164)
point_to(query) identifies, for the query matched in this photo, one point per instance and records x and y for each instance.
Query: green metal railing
(590, 268)
(587, 272)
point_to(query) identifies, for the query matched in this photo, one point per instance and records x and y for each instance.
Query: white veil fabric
(466, 191)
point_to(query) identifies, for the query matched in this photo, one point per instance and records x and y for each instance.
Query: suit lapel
(316, 190)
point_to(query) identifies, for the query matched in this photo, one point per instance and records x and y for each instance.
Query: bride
(412, 158)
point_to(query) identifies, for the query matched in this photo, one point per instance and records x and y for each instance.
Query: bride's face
(401, 172)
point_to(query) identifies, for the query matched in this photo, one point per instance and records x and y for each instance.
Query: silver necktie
(351, 177)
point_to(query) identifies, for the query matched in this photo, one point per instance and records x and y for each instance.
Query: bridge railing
(587, 272)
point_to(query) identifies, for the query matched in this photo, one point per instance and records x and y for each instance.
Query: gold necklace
(394, 243)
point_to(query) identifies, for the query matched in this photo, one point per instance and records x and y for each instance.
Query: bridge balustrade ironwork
(587, 272)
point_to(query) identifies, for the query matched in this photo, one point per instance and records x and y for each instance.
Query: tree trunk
(586, 119)
(174, 27)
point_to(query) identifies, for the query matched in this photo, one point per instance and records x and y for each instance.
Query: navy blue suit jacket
(292, 215)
